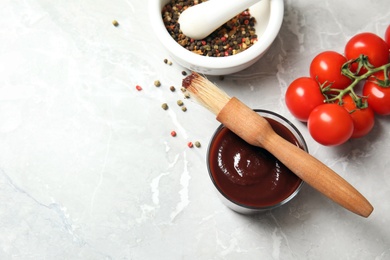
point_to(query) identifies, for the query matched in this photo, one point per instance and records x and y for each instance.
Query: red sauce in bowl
(250, 176)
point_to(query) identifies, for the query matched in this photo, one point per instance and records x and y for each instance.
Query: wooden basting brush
(255, 130)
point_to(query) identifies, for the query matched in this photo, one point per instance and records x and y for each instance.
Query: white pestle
(200, 20)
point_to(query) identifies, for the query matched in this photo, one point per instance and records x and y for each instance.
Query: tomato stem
(362, 62)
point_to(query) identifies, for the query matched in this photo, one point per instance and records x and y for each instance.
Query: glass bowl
(249, 179)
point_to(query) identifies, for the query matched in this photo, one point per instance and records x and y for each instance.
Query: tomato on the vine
(328, 101)
(330, 124)
(387, 36)
(369, 44)
(326, 67)
(302, 96)
(363, 118)
(378, 97)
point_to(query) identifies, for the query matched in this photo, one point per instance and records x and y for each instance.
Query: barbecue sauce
(249, 175)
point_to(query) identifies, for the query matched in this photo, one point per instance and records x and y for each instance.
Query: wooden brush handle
(255, 130)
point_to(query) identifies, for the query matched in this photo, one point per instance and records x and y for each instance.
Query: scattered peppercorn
(184, 73)
(180, 103)
(184, 109)
(157, 83)
(187, 95)
(197, 144)
(173, 134)
(190, 144)
(115, 23)
(172, 88)
(138, 87)
(164, 106)
(183, 89)
(235, 36)
(166, 61)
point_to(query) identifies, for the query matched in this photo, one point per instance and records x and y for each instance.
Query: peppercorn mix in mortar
(235, 36)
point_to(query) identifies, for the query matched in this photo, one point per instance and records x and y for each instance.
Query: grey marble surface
(88, 169)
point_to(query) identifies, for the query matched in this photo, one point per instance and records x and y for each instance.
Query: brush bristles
(206, 93)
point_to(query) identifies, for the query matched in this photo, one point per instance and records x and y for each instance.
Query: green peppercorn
(157, 83)
(180, 103)
(164, 106)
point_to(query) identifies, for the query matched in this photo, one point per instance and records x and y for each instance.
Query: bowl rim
(267, 38)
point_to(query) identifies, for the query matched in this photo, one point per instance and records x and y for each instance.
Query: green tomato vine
(336, 95)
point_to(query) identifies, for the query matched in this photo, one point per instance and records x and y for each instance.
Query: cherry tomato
(378, 97)
(363, 118)
(369, 44)
(387, 36)
(326, 67)
(302, 96)
(330, 124)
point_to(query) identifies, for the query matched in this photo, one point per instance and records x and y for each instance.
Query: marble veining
(89, 170)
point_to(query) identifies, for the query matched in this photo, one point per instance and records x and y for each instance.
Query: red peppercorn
(204, 42)
(173, 133)
(138, 87)
(223, 38)
(190, 145)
